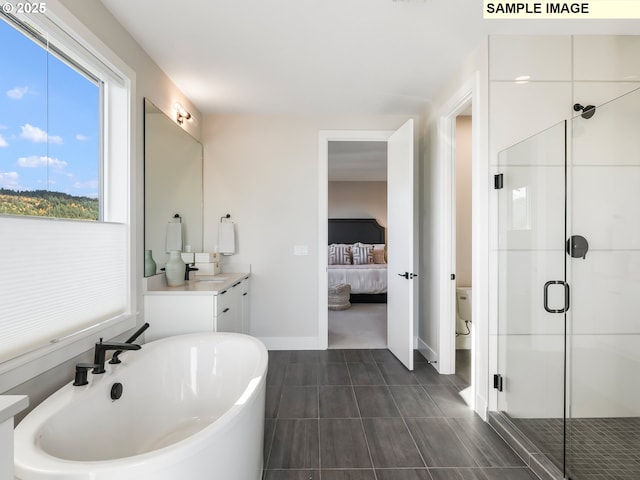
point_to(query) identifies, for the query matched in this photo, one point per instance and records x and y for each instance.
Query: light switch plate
(301, 249)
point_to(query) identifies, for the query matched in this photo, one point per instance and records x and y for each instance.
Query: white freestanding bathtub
(192, 407)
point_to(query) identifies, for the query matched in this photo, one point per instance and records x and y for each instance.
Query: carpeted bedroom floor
(364, 325)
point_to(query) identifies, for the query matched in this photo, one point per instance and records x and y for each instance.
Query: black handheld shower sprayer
(587, 112)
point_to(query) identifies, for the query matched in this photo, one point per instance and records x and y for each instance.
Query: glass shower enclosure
(569, 290)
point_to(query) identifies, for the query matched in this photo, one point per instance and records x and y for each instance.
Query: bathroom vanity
(218, 303)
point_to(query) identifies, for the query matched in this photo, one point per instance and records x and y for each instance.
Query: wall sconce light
(181, 113)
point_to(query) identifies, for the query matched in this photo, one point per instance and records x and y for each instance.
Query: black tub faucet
(101, 351)
(131, 339)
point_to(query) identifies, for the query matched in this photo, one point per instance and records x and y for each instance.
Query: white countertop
(10, 405)
(197, 285)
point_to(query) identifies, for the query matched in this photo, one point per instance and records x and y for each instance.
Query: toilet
(463, 295)
(463, 303)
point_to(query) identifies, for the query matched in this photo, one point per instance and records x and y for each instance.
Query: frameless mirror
(172, 183)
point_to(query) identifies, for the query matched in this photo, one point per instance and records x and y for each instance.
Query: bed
(368, 279)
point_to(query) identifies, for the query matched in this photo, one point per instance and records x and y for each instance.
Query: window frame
(118, 201)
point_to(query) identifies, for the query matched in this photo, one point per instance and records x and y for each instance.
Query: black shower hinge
(498, 181)
(497, 382)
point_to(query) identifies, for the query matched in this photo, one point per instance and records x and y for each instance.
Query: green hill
(44, 203)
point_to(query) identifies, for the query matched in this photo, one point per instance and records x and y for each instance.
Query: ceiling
(357, 161)
(320, 56)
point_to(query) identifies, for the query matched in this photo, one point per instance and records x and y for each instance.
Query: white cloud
(81, 138)
(17, 93)
(9, 179)
(88, 184)
(35, 161)
(3, 142)
(37, 135)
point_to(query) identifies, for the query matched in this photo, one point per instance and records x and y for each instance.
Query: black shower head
(587, 112)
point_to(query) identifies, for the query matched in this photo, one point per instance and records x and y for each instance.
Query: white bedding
(370, 278)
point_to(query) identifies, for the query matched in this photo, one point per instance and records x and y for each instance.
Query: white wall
(463, 201)
(603, 185)
(358, 200)
(436, 276)
(151, 82)
(464, 211)
(263, 171)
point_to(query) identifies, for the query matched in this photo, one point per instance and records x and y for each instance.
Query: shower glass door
(569, 290)
(603, 375)
(531, 326)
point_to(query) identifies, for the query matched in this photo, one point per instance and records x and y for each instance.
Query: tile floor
(597, 448)
(360, 415)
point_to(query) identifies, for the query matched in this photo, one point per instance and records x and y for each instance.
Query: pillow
(362, 255)
(379, 251)
(339, 254)
(379, 254)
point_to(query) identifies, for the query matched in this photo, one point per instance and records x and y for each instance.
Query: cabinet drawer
(224, 300)
(243, 286)
(226, 322)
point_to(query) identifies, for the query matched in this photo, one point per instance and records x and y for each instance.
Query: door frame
(324, 137)
(446, 151)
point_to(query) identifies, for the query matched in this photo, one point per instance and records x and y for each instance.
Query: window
(64, 281)
(49, 129)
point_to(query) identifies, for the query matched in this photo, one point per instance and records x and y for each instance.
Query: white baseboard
(428, 352)
(290, 343)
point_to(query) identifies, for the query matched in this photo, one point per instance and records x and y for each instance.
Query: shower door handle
(566, 296)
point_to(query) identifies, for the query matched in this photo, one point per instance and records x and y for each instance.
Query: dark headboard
(352, 230)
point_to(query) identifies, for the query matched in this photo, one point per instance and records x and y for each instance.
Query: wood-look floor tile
(391, 444)
(348, 475)
(343, 444)
(272, 400)
(331, 356)
(299, 402)
(449, 401)
(365, 374)
(302, 374)
(356, 356)
(484, 444)
(397, 374)
(404, 474)
(457, 474)
(376, 402)
(295, 445)
(337, 402)
(269, 429)
(292, 475)
(438, 443)
(413, 401)
(334, 374)
(428, 375)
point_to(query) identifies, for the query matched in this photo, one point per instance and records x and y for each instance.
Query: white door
(400, 244)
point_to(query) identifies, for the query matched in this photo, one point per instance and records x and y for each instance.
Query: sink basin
(216, 279)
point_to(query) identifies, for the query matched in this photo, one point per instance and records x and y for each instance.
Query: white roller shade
(58, 277)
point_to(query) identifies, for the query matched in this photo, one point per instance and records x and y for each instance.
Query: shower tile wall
(534, 82)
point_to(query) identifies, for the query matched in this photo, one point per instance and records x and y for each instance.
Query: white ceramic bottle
(174, 269)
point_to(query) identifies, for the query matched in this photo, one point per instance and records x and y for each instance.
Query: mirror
(172, 183)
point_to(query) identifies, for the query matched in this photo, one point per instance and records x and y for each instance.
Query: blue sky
(49, 137)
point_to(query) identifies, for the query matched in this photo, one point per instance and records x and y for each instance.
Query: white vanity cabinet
(232, 312)
(201, 305)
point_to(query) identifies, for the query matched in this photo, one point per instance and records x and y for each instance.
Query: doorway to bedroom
(357, 223)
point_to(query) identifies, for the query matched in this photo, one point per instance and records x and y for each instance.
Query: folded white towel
(227, 238)
(174, 237)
